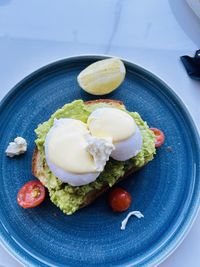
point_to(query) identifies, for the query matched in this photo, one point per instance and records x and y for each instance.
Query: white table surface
(153, 34)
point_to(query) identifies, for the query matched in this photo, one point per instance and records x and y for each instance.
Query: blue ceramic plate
(166, 191)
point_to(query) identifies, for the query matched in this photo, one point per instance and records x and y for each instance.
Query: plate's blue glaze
(166, 191)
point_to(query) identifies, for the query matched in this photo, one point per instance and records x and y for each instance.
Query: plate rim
(164, 253)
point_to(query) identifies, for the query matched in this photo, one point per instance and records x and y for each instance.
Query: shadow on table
(4, 3)
(187, 20)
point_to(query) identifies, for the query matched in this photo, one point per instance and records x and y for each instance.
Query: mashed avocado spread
(69, 198)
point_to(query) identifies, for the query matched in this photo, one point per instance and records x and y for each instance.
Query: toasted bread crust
(38, 172)
(108, 101)
(34, 162)
(92, 195)
(38, 169)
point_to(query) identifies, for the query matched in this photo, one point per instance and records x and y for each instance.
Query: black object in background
(192, 65)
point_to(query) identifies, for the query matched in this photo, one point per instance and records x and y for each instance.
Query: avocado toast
(71, 198)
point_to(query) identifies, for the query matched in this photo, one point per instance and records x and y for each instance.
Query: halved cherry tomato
(31, 194)
(160, 137)
(119, 199)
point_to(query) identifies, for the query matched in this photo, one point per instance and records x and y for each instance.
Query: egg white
(124, 149)
(74, 179)
(128, 148)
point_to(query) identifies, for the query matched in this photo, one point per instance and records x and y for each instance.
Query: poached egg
(77, 152)
(73, 155)
(121, 127)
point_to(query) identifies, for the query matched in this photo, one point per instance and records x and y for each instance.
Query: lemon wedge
(102, 77)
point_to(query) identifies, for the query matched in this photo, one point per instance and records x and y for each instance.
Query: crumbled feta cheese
(136, 213)
(19, 146)
(100, 149)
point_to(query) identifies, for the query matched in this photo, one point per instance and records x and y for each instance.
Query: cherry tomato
(31, 194)
(160, 137)
(119, 199)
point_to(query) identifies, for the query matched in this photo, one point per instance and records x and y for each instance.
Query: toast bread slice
(38, 169)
